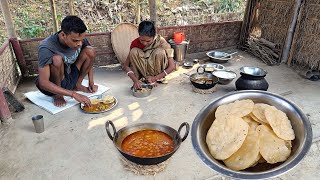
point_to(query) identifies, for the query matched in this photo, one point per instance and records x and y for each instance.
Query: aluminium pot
(203, 80)
(118, 136)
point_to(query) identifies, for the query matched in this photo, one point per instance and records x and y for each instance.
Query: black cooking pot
(252, 78)
(203, 80)
(118, 137)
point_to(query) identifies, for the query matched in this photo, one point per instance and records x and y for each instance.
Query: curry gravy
(147, 143)
(99, 107)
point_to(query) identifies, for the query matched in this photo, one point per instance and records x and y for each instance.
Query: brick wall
(9, 73)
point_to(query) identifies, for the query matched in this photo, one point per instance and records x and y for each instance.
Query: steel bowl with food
(120, 137)
(203, 80)
(300, 125)
(145, 91)
(225, 76)
(210, 67)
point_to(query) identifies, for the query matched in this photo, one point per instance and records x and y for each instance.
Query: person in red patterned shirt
(150, 58)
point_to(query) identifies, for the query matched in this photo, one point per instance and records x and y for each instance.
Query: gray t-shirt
(51, 46)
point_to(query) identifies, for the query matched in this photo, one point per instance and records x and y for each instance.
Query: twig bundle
(267, 51)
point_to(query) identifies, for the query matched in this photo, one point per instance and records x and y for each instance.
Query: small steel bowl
(299, 121)
(225, 77)
(188, 64)
(146, 91)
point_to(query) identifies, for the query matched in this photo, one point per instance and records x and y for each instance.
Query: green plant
(29, 28)
(229, 6)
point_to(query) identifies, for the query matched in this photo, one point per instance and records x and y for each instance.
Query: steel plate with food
(147, 143)
(104, 104)
(251, 135)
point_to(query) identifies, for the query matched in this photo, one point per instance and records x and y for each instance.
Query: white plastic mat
(46, 102)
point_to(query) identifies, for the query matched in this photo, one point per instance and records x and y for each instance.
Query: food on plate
(258, 112)
(252, 124)
(108, 99)
(247, 155)
(203, 81)
(279, 123)
(95, 101)
(272, 148)
(147, 144)
(143, 90)
(99, 105)
(238, 108)
(255, 118)
(226, 136)
(245, 133)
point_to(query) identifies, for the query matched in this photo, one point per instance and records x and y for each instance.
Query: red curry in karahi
(147, 143)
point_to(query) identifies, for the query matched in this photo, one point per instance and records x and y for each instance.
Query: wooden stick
(271, 45)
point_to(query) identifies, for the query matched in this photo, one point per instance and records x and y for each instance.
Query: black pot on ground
(252, 78)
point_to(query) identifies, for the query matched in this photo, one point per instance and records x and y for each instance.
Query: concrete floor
(76, 146)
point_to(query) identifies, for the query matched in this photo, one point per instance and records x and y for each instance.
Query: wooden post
(8, 19)
(246, 24)
(295, 36)
(138, 15)
(54, 15)
(153, 11)
(13, 37)
(71, 8)
(4, 108)
(291, 31)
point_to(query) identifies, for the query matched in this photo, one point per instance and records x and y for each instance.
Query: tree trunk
(8, 19)
(138, 11)
(153, 11)
(71, 9)
(54, 15)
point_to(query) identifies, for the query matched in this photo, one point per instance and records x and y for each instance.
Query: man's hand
(82, 99)
(93, 88)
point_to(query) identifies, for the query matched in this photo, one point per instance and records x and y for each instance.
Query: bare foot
(59, 101)
(82, 88)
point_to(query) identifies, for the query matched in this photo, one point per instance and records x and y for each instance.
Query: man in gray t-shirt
(65, 58)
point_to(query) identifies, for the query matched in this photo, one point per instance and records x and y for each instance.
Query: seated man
(150, 56)
(65, 58)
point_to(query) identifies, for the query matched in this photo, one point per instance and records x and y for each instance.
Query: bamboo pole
(8, 19)
(295, 37)
(291, 31)
(71, 8)
(54, 15)
(153, 11)
(13, 37)
(138, 15)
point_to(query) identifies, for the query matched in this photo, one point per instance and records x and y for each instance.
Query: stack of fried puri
(244, 134)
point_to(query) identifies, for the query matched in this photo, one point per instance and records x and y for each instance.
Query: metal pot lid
(253, 71)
